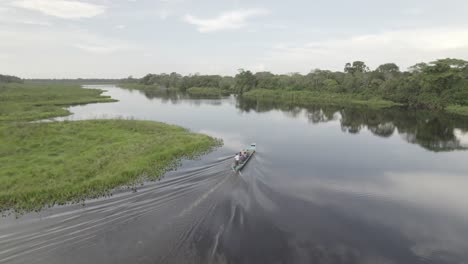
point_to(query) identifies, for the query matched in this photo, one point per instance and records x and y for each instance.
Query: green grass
(457, 109)
(304, 98)
(205, 92)
(26, 102)
(49, 163)
(53, 163)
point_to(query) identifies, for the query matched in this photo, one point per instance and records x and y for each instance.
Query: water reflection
(328, 185)
(174, 97)
(434, 131)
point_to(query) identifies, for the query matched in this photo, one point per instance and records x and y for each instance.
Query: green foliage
(433, 85)
(25, 102)
(56, 162)
(53, 163)
(182, 83)
(245, 81)
(357, 66)
(458, 109)
(305, 98)
(9, 79)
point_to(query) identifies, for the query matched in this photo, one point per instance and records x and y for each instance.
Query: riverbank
(304, 98)
(53, 163)
(457, 109)
(50, 163)
(27, 102)
(194, 92)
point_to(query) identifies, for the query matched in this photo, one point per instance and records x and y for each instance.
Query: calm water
(327, 185)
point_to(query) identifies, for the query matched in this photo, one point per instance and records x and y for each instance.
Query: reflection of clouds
(430, 209)
(440, 251)
(436, 191)
(433, 191)
(230, 140)
(462, 136)
(319, 116)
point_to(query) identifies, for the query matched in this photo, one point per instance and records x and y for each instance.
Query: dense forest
(432, 85)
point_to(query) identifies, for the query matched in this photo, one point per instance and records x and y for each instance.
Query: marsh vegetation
(47, 163)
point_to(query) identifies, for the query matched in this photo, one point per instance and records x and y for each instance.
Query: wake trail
(183, 198)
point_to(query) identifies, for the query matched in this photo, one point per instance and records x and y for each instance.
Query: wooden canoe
(251, 151)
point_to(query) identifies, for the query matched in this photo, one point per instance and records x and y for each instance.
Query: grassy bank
(52, 163)
(137, 86)
(57, 162)
(143, 87)
(193, 92)
(204, 92)
(457, 109)
(26, 102)
(304, 98)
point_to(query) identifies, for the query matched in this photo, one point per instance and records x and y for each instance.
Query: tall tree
(245, 81)
(357, 66)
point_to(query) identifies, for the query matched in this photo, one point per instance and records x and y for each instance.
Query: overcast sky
(118, 38)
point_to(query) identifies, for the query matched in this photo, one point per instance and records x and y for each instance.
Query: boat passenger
(237, 158)
(243, 156)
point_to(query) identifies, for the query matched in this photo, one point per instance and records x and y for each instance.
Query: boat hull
(251, 150)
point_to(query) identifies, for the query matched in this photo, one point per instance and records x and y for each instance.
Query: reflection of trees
(174, 97)
(433, 131)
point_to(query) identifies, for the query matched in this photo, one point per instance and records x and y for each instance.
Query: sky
(119, 38)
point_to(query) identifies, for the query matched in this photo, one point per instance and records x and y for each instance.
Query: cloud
(21, 39)
(225, 21)
(413, 11)
(62, 8)
(11, 16)
(98, 49)
(163, 14)
(404, 47)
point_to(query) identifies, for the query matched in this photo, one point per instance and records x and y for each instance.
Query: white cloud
(120, 26)
(62, 8)
(229, 20)
(59, 40)
(99, 49)
(11, 16)
(404, 47)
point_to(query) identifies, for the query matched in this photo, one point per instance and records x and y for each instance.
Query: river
(327, 185)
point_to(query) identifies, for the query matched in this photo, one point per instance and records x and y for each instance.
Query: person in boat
(243, 156)
(237, 158)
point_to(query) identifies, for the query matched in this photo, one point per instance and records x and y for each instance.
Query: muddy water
(327, 185)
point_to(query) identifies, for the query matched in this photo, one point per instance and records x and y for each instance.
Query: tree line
(431, 85)
(10, 79)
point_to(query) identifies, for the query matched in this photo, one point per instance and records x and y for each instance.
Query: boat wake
(151, 223)
(205, 213)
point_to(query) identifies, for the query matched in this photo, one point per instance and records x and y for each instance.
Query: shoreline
(60, 162)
